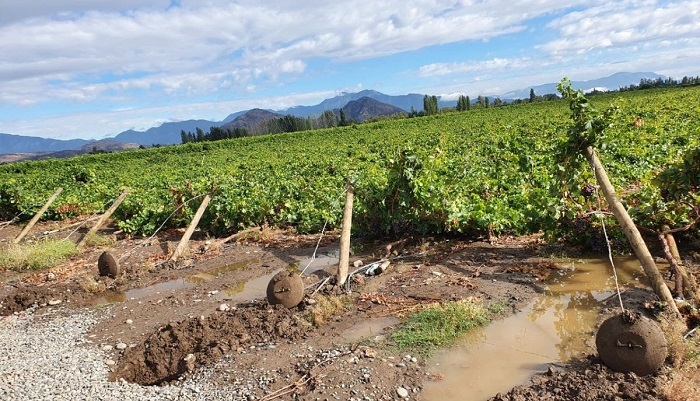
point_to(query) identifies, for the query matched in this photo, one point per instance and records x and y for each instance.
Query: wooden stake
(182, 246)
(674, 258)
(345, 237)
(106, 215)
(37, 216)
(631, 231)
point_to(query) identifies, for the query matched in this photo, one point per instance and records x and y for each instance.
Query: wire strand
(601, 216)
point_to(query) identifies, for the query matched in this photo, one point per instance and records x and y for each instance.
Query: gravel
(47, 357)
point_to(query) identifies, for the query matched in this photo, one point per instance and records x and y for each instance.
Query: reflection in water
(555, 327)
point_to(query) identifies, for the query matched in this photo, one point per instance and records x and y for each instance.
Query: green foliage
(430, 105)
(492, 170)
(439, 326)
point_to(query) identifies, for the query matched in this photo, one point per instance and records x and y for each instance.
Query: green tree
(532, 95)
(343, 119)
(183, 136)
(463, 103)
(430, 105)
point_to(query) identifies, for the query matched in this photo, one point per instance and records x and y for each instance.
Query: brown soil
(195, 320)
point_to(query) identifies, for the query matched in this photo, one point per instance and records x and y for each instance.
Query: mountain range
(358, 106)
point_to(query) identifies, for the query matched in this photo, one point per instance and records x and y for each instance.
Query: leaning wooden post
(182, 246)
(37, 216)
(631, 231)
(345, 236)
(104, 217)
(674, 258)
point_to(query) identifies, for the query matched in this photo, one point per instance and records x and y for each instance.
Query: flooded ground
(554, 328)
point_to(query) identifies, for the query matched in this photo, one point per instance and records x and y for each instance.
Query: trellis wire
(607, 242)
(126, 255)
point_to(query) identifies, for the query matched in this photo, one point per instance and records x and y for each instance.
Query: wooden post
(37, 216)
(182, 246)
(345, 237)
(631, 231)
(674, 258)
(106, 215)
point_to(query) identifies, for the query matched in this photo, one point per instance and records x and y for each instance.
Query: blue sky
(94, 68)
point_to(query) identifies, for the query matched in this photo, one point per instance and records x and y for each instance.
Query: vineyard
(486, 171)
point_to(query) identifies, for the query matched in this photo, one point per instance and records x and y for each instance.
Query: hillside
(251, 119)
(366, 108)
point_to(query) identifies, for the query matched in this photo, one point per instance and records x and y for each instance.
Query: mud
(204, 322)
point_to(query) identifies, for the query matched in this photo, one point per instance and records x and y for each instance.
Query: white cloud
(242, 44)
(475, 66)
(624, 24)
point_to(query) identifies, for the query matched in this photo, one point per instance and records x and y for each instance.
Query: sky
(94, 68)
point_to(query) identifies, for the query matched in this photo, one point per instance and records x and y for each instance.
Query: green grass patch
(439, 326)
(35, 256)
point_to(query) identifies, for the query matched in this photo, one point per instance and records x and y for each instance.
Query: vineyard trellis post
(104, 217)
(182, 246)
(37, 216)
(630, 229)
(344, 259)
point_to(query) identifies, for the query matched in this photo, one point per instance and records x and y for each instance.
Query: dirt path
(163, 322)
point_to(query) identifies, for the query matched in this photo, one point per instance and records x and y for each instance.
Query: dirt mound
(177, 348)
(592, 381)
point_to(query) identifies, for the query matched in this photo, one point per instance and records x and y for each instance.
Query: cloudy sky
(94, 68)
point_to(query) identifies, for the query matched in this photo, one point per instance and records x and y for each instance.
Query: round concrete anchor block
(630, 342)
(108, 265)
(285, 288)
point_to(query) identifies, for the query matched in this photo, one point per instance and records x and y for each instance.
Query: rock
(120, 346)
(50, 276)
(402, 392)
(55, 302)
(370, 353)
(436, 273)
(106, 348)
(357, 264)
(224, 307)
(189, 361)
(129, 321)
(107, 265)
(285, 288)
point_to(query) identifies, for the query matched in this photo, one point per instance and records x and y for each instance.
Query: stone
(54, 302)
(120, 346)
(630, 342)
(129, 321)
(286, 288)
(224, 307)
(402, 392)
(107, 265)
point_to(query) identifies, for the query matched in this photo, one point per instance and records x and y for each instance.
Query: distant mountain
(166, 133)
(612, 82)
(366, 108)
(104, 145)
(251, 119)
(30, 144)
(404, 102)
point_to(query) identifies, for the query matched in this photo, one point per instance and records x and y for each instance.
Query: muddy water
(554, 328)
(243, 291)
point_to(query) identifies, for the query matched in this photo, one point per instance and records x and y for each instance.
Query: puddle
(174, 285)
(554, 328)
(369, 328)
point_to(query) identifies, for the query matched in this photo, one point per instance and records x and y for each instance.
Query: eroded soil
(163, 321)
